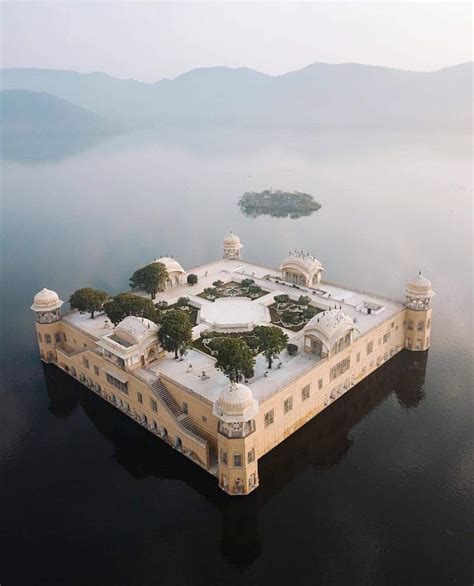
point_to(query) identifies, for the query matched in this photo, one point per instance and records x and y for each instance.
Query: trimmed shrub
(304, 300)
(246, 283)
(281, 298)
(292, 349)
(192, 279)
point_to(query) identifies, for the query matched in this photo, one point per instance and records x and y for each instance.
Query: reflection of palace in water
(320, 444)
(337, 338)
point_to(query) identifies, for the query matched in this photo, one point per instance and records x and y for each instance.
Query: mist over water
(376, 489)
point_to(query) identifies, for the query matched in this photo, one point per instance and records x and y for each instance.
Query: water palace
(227, 427)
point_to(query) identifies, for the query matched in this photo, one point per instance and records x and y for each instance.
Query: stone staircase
(162, 392)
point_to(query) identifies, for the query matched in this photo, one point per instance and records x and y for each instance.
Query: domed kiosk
(419, 294)
(47, 304)
(232, 246)
(301, 268)
(235, 405)
(176, 273)
(236, 410)
(328, 332)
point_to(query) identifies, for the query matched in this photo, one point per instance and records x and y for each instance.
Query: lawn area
(247, 288)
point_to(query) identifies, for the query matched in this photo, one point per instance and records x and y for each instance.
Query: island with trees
(277, 203)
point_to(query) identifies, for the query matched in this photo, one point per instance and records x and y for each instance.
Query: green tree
(254, 290)
(271, 341)
(246, 283)
(176, 332)
(211, 292)
(235, 359)
(88, 300)
(152, 278)
(192, 279)
(218, 284)
(125, 304)
(182, 301)
(309, 312)
(304, 300)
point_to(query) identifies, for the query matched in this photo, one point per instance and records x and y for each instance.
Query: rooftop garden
(209, 341)
(235, 352)
(246, 288)
(292, 315)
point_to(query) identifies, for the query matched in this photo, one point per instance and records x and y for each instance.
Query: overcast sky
(151, 41)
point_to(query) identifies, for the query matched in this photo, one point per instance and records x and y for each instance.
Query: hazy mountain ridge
(25, 112)
(319, 96)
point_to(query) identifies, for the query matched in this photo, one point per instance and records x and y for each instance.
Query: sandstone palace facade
(227, 427)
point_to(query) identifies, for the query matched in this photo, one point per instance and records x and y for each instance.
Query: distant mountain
(321, 96)
(34, 114)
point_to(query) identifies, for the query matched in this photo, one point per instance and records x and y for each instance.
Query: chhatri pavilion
(337, 337)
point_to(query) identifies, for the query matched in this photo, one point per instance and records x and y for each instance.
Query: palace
(337, 337)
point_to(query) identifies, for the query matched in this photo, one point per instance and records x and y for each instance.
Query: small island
(277, 203)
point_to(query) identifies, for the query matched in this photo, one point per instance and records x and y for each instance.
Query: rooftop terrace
(189, 371)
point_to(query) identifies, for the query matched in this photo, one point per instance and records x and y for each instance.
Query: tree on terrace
(88, 300)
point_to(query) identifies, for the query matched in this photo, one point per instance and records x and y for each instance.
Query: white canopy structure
(134, 342)
(176, 273)
(329, 331)
(301, 268)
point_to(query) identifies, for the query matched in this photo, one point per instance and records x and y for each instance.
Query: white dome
(171, 264)
(420, 286)
(136, 328)
(235, 404)
(330, 325)
(232, 240)
(46, 300)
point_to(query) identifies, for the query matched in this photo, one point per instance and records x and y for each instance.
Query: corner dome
(235, 404)
(136, 328)
(46, 300)
(171, 264)
(329, 325)
(419, 286)
(232, 240)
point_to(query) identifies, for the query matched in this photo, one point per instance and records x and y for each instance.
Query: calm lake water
(376, 490)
